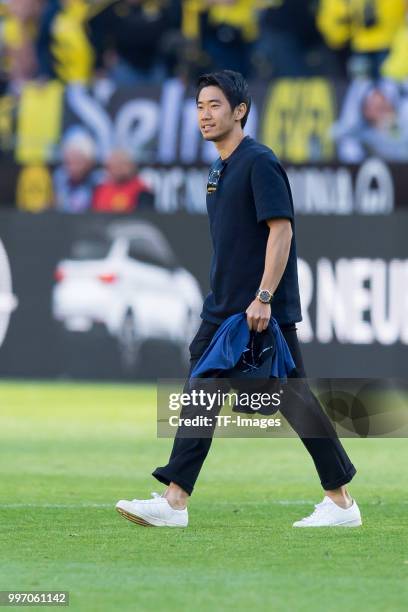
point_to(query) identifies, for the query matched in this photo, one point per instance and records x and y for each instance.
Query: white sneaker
(155, 512)
(329, 514)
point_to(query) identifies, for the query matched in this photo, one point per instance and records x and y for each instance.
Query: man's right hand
(258, 315)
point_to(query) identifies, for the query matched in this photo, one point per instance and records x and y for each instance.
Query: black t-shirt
(243, 191)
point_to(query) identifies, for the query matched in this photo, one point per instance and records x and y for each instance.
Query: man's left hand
(258, 315)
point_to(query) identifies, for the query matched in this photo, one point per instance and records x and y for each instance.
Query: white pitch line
(274, 502)
(56, 506)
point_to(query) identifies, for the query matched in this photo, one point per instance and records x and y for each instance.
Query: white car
(129, 281)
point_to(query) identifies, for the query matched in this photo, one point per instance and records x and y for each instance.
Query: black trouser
(332, 463)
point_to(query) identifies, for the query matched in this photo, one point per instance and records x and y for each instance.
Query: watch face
(264, 296)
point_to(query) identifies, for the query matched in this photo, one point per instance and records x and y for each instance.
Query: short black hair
(232, 84)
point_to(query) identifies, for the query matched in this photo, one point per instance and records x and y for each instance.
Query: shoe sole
(353, 523)
(138, 520)
(134, 519)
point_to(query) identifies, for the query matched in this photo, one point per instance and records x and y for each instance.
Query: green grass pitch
(68, 452)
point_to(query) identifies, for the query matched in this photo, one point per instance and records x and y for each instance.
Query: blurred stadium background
(104, 259)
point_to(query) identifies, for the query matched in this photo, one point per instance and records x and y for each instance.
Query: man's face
(77, 165)
(215, 116)
(120, 167)
(378, 110)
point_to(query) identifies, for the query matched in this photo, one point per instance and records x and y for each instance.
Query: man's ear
(240, 111)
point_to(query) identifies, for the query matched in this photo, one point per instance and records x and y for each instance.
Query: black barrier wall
(103, 297)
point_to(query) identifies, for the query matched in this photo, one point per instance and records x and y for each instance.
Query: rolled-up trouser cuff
(166, 477)
(335, 484)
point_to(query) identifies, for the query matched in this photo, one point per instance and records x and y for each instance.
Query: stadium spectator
(373, 121)
(290, 44)
(368, 26)
(224, 32)
(130, 38)
(75, 180)
(123, 191)
(19, 31)
(64, 49)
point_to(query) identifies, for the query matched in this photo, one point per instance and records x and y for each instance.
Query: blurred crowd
(142, 42)
(145, 41)
(79, 185)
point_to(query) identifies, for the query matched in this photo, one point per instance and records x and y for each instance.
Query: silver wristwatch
(264, 295)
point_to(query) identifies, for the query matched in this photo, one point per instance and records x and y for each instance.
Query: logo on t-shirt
(215, 175)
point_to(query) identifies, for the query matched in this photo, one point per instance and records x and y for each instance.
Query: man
(19, 30)
(123, 191)
(367, 27)
(252, 227)
(63, 47)
(76, 179)
(224, 32)
(131, 39)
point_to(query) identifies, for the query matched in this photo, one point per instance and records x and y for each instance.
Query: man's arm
(276, 258)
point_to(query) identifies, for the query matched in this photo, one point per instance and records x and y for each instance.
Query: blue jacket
(235, 352)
